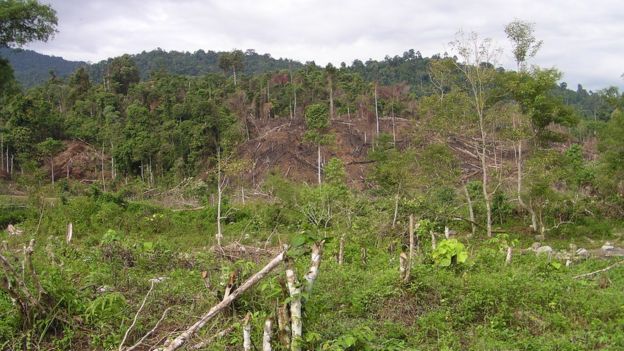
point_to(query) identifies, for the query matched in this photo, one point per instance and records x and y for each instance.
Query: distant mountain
(32, 68)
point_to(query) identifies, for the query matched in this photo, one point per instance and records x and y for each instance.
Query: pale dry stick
(218, 335)
(181, 339)
(341, 250)
(247, 332)
(266, 335)
(136, 316)
(70, 232)
(147, 335)
(598, 271)
(509, 253)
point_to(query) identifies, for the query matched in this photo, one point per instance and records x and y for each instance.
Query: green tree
(523, 41)
(23, 21)
(122, 72)
(611, 147)
(47, 149)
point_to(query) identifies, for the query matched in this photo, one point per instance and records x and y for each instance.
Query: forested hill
(32, 68)
(195, 64)
(410, 69)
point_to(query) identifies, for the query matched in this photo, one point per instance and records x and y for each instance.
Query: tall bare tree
(477, 59)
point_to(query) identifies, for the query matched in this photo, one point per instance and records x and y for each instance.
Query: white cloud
(581, 38)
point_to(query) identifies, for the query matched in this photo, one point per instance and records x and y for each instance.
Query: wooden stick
(136, 316)
(138, 343)
(183, 338)
(218, 335)
(598, 271)
(266, 335)
(247, 332)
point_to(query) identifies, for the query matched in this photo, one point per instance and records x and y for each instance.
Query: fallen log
(181, 339)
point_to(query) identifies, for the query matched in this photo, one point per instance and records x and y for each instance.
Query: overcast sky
(582, 38)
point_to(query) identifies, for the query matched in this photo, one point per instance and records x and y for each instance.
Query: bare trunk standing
(473, 226)
(376, 112)
(341, 250)
(247, 332)
(477, 62)
(318, 160)
(486, 194)
(220, 186)
(295, 309)
(266, 335)
(331, 100)
(294, 289)
(518, 149)
(396, 209)
(294, 91)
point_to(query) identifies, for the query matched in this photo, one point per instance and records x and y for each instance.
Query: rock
(607, 246)
(540, 237)
(544, 250)
(535, 246)
(582, 252)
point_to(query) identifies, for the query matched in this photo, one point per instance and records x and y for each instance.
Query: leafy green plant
(449, 252)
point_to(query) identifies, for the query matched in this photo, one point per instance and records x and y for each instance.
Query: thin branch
(218, 335)
(598, 271)
(136, 316)
(151, 331)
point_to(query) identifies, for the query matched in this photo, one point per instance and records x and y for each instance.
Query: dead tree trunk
(181, 339)
(470, 211)
(376, 112)
(295, 309)
(318, 160)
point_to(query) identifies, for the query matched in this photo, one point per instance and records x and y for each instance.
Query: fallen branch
(136, 316)
(147, 335)
(218, 335)
(598, 271)
(183, 338)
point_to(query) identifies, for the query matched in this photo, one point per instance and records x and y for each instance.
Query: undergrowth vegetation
(461, 296)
